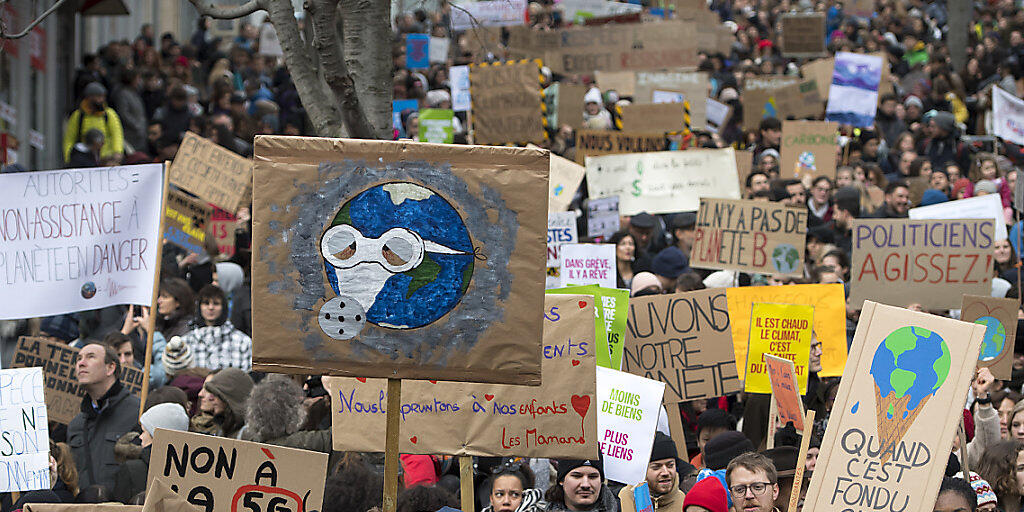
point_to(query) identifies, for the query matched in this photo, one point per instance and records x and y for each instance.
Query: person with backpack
(95, 113)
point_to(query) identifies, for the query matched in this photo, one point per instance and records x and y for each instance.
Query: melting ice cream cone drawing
(908, 367)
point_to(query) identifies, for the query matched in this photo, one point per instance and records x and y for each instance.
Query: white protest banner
(664, 181)
(78, 239)
(25, 451)
(587, 264)
(439, 49)
(717, 114)
(489, 13)
(602, 216)
(667, 97)
(988, 206)
(459, 76)
(1007, 116)
(561, 230)
(626, 422)
(853, 96)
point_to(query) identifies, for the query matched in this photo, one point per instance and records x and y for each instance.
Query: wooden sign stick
(391, 445)
(675, 426)
(801, 461)
(156, 293)
(773, 418)
(466, 482)
(963, 450)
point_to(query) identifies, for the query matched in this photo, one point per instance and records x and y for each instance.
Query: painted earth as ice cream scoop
(785, 258)
(995, 338)
(911, 361)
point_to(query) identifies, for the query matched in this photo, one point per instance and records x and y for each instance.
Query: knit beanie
(177, 356)
(567, 465)
(664, 447)
(724, 447)
(232, 386)
(708, 493)
(166, 415)
(982, 489)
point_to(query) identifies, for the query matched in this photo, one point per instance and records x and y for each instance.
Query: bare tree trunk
(367, 45)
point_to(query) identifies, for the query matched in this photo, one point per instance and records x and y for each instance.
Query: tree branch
(324, 17)
(208, 8)
(23, 33)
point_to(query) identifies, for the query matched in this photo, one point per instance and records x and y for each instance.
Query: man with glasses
(820, 203)
(753, 483)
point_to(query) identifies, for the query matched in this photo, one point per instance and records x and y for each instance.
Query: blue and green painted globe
(994, 340)
(785, 258)
(910, 361)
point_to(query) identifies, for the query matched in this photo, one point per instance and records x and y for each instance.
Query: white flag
(1007, 116)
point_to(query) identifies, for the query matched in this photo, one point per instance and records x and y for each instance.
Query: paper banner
(602, 217)
(853, 96)
(417, 51)
(507, 103)
(610, 328)
(561, 230)
(829, 318)
(26, 451)
(896, 412)
(78, 239)
(626, 421)
(489, 13)
(999, 316)
(988, 206)
(583, 264)
(566, 177)
(809, 149)
(929, 262)
(461, 98)
(788, 405)
(1008, 116)
(438, 50)
(682, 340)
(426, 216)
(605, 142)
(750, 236)
(556, 419)
(782, 330)
(436, 126)
(185, 221)
(663, 182)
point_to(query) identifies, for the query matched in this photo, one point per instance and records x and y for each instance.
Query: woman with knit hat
(707, 495)
(222, 402)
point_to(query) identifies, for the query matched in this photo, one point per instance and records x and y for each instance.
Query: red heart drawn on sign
(575, 362)
(581, 404)
(432, 381)
(582, 304)
(489, 397)
(361, 379)
(413, 439)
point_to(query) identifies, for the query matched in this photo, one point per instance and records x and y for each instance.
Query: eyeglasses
(758, 488)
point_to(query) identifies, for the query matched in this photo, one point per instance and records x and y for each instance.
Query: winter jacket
(82, 157)
(131, 476)
(986, 433)
(84, 119)
(93, 433)
(669, 502)
(220, 346)
(128, 104)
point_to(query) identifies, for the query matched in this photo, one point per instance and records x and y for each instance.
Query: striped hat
(982, 489)
(177, 356)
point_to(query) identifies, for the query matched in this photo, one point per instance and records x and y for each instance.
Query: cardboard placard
(799, 100)
(902, 394)
(853, 96)
(561, 230)
(437, 125)
(653, 117)
(622, 82)
(610, 326)
(566, 177)
(507, 103)
(829, 318)
(25, 458)
(692, 84)
(78, 239)
(989, 206)
(223, 224)
(433, 212)
(218, 473)
(607, 142)
(583, 264)
(717, 114)
(214, 174)
(788, 405)
(744, 166)
(489, 13)
(417, 51)
(803, 35)
(820, 71)
(665, 181)
(557, 419)
(809, 149)
(603, 217)
(161, 498)
(999, 316)
(750, 236)
(57, 360)
(628, 417)
(570, 104)
(185, 221)
(682, 339)
(929, 262)
(80, 507)
(782, 330)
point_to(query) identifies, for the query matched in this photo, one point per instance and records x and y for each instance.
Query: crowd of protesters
(134, 100)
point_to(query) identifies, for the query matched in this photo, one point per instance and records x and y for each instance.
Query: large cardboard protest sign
(566, 177)
(211, 172)
(398, 259)
(820, 71)
(750, 236)
(803, 35)
(781, 97)
(610, 329)
(561, 230)
(809, 149)
(57, 360)
(665, 181)
(928, 262)
(185, 221)
(25, 452)
(999, 316)
(988, 206)
(786, 391)
(622, 82)
(896, 412)
(556, 419)
(78, 239)
(605, 142)
(682, 339)
(829, 318)
(80, 507)
(507, 102)
(692, 84)
(221, 474)
(782, 330)
(583, 264)
(570, 104)
(853, 96)
(161, 498)
(629, 407)
(488, 13)
(653, 117)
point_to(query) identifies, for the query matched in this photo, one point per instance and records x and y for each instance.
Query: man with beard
(579, 488)
(662, 479)
(753, 483)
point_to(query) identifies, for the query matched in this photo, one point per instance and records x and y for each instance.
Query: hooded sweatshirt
(672, 501)
(232, 386)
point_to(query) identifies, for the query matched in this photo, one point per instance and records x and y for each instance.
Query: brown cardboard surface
(211, 172)
(661, 117)
(1001, 315)
(749, 236)
(692, 84)
(507, 103)
(803, 35)
(610, 142)
(161, 498)
(807, 143)
(570, 104)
